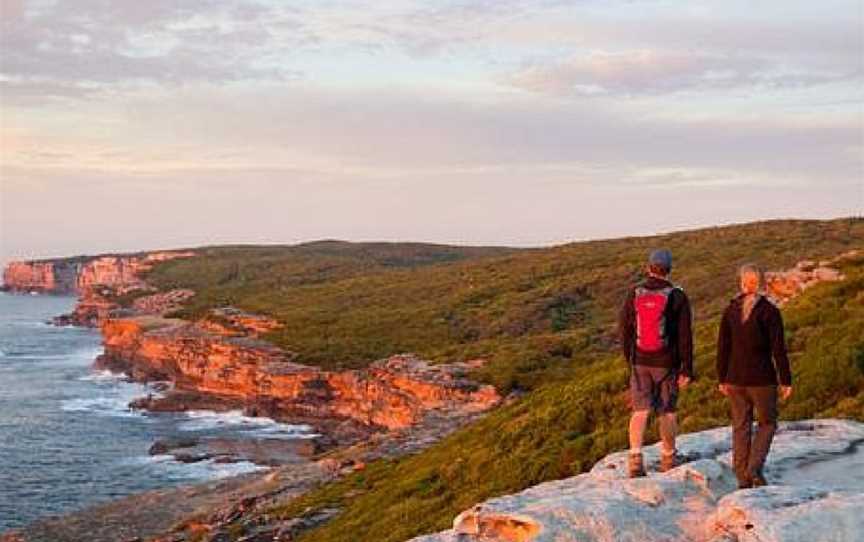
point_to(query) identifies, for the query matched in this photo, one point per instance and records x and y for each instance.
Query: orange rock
(233, 321)
(69, 276)
(43, 277)
(162, 302)
(785, 285)
(91, 310)
(392, 393)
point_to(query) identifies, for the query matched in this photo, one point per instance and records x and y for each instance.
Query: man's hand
(785, 392)
(724, 389)
(683, 381)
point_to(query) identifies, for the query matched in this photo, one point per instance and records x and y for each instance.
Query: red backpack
(650, 308)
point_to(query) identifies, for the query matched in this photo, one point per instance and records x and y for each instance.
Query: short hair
(749, 268)
(658, 269)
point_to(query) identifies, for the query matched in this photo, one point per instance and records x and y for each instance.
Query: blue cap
(661, 258)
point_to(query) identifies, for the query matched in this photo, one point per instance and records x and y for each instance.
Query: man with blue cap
(657, 341)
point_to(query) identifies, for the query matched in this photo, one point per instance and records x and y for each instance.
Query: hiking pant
(749, 452)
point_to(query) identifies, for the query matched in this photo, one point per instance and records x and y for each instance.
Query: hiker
(657, 341)
(751, 362)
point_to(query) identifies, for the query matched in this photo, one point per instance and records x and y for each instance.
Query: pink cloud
(649, 71)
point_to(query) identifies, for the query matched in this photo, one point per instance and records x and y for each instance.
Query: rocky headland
(75, 275)
(396, 405)
(200, 359)
(220, 361)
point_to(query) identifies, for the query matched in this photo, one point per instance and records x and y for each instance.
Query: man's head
(660, 262)
(749, 278)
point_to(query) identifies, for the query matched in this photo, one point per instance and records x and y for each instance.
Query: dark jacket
(753, 352)
(679, 354)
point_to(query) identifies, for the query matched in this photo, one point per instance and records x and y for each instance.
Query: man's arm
(778, 348)
(724, 347)
(685, 337)
(626, 319)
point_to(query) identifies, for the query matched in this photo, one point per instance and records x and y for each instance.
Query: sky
(128, 125)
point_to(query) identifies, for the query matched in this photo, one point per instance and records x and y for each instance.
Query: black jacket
(752, 353)
(679, 354)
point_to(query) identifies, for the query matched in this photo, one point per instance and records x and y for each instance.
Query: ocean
(67, 437)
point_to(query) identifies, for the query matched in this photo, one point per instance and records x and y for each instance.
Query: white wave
(104, 375)
(204, 420)
(110, 396)
(27, 357)
(106, 406)
(207, 469)
(83, 356)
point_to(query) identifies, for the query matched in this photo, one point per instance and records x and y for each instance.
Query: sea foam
(235, 420)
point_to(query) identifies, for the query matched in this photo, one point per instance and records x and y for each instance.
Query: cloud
(650, 71)
(368, 135)
(76, 49)
(554, 46)
(245, 119)
(11, 9)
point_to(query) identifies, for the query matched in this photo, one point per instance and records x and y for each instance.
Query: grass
(545, 320)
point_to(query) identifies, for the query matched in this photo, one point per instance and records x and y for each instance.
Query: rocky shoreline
(397, 405)
(172, 512)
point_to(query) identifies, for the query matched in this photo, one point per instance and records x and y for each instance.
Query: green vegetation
(545, 318)
(562, 428)
(536, 314)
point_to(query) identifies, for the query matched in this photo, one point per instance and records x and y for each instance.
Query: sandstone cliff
(816, 493)
(392, 393)
(122, 273)
(44, 277)
(65, 276)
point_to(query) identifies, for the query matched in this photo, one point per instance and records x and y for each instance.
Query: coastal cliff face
(121, 273)
(393, 393)
(116, 271)
(97, 282)
(42, 277)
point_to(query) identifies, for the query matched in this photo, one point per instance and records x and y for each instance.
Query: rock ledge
(816, 469)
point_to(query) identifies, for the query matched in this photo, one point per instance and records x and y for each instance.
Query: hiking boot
(635, 466)
(759, 479)
(745, 483)
(670, 461)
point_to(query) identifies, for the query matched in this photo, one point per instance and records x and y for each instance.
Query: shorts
(653, 388)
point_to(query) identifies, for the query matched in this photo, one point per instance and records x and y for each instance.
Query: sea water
(67, 436)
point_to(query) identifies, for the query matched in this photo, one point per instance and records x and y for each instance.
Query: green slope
(562, 428)
(545, 318)
(537, 314)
